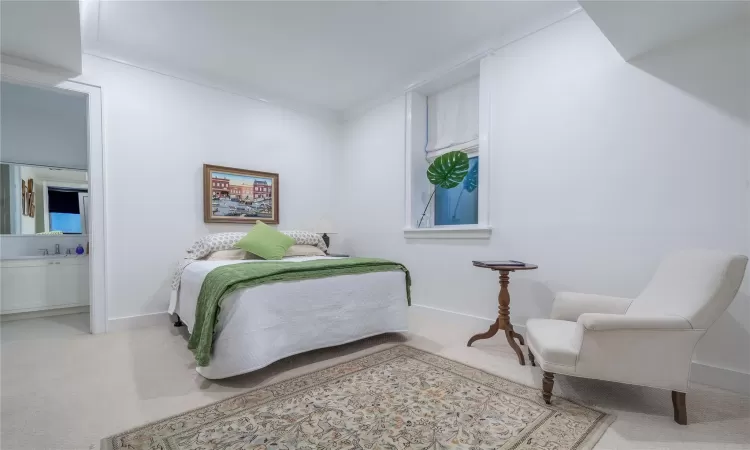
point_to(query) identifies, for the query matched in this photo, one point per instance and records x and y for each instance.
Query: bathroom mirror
(37, 200)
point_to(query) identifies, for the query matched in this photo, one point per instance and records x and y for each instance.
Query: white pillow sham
(225, 241)
(228, 255)
(304, 250)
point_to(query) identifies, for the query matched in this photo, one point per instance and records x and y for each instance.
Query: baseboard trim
(447, 311)
(720, 377)
(64, 311)
(466, 318)
(141, 321)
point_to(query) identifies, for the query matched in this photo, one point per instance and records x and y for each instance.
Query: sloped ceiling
(43, 35)
(700, 47)
(637, 27)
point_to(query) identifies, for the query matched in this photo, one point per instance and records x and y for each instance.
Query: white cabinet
(46, 283)
(22, 286)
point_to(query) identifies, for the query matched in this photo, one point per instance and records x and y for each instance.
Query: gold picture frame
(232, 195)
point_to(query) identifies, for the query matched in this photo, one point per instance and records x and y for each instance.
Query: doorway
(68, 208)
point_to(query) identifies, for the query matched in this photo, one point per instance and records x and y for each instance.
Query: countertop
(17, 258)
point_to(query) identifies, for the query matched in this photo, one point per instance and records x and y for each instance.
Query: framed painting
(240, 196)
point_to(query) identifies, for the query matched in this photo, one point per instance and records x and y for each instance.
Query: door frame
(97, 232)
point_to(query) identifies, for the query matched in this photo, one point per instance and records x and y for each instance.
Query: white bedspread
(260, 325)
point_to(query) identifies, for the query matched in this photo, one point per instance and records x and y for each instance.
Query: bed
(259, 325)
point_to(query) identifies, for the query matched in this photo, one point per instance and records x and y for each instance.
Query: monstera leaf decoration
(448, 170)
(472, 178)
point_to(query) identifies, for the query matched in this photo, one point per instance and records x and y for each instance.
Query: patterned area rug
(399, 398)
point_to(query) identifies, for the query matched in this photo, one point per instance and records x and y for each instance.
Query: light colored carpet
(70, 390)
(398, 398)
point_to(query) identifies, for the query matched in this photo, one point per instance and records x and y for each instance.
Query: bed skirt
(260, 325)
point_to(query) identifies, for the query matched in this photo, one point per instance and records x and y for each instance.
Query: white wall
(43, 127)
(598, 169)
(158, 133)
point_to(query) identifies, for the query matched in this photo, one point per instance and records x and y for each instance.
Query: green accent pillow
(265, 242)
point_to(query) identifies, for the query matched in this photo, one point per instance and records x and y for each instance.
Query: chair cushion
(552, 340)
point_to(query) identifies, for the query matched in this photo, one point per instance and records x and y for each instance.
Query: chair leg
(680, 409)
(531, 358)
(548, 381)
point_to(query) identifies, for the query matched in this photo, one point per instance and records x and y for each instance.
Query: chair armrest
(652, 351)
(609, 322)
(570, 305)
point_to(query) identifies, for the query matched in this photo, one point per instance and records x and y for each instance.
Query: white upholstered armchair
(648, 340)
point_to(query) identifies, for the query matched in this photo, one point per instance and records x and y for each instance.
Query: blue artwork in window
(65, 222)
(460, 205)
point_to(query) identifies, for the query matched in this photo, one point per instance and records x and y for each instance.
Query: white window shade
(453, 116)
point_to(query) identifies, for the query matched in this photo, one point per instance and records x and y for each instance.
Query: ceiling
(46, 33)
(334, 56)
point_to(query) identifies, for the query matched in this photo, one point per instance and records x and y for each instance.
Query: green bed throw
(224, 280)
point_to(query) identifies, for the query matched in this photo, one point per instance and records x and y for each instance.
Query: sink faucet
(44, 251)
(57, 249)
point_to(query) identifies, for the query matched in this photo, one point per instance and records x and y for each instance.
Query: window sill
(449, 232)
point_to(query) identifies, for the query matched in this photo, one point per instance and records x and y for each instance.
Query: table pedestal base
(510, 335)
(503, 320)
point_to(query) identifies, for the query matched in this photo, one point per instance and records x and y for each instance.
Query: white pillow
(304, 250)
(227, 255)
(225, 241)
(307, 238)
(214, 243)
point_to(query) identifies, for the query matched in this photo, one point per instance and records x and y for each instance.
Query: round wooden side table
(503, 310)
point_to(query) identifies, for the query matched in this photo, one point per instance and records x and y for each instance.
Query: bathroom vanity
(37, 283)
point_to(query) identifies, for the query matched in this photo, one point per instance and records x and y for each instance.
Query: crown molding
(250, 93)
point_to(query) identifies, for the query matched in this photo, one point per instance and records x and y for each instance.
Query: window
(460, 205)
(65, 210)
(453, 124)
(439, 120)
(66, 222)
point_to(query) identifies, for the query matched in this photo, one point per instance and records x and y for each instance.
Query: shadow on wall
(537, 296)
(728, 334)
(713, 67)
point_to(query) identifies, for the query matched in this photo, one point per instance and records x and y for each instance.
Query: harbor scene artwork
(239, 195)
